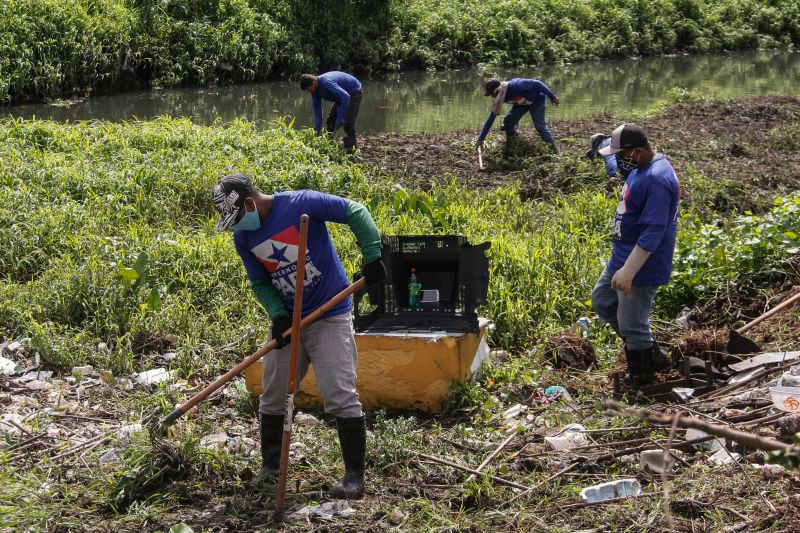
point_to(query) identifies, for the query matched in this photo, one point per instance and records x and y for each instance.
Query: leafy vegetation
(50, 48)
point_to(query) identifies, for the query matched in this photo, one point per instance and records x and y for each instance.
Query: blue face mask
(250, 221)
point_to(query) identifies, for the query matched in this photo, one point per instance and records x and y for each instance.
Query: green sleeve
(269, 297)
(363, 227)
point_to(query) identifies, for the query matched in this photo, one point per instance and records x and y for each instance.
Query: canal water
(410, 102)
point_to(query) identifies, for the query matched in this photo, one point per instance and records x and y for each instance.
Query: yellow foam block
(401, 370)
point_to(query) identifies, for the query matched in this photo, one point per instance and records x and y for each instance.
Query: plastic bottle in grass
(414, 289)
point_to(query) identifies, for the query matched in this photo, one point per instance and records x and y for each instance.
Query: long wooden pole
(291, 385)
(480, 158)
(783, 305)
(255, 356)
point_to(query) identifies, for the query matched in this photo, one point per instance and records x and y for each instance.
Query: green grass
(50, 48)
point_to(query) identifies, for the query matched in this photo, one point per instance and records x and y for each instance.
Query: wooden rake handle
(780, 307)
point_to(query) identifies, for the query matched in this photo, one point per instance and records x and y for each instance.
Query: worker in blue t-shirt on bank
(644, 230)
(266, 235)
(615, 170)
(527, 96)
(345, 92)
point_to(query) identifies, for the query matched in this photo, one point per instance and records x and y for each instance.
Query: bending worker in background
(644, 230)
(345, 92)
(265, 232)
(615, 170)
(527, 96)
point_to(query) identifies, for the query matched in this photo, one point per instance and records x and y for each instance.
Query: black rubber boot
(640, 365)
(554, 147)
(660, 360)
(353, 439)
(271, 439)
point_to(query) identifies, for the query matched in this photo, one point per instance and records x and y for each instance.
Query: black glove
(279, 325)
(374, 272)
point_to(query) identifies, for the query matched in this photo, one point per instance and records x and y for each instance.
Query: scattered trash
(40, 375)
(789, 425)
(724, 457)
(786, 393)
(216, 440)
(18, 345)
(621, 488)
(306, 420)
(552, 394)
(683, 393)
(181, 528)
(9, 423)
(172, 338)
(514, 411)
(765, 359)
(125, 432)
(7, 366)
(773, 471)
(707, 446)
(745, 375)
(38, 385)
(654, 460)
(155, 376)
(568, 438)
(397, 516)
(169, 356)
(103, 348)
(109, 456)
(684, 320)
(84, 371)
(325, 511)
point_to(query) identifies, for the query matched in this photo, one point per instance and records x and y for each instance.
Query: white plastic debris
(84, 371)
(38, 385)
(155, 376)
(217, 441)
(773, 471)
(7, 421)
(125, 432)
(397, 516)
(654, 460)
(109, 456)
(684, 393)
(514, 411)
(707, 446)
(306, 420)
(621, 488)
(15, 346)
(569, 437)
(7, 366)
(103, 348)
(326, 511)
(40, 375)
(724, 457)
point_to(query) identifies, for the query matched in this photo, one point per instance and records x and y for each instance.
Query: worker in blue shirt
(345, 92)
(615, 170)
(644, 230)
(527, 96)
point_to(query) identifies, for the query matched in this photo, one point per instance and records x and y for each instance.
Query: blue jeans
(628, 315)
(515, 114)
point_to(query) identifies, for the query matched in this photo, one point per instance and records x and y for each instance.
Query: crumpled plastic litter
(724, 457)
(155, 376)
(7, 366)
(325, 511)
(569, 437)
(552, 394)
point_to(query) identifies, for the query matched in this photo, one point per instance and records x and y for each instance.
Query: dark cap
(594, 144)
(625, 137)
(228, 196)
(491, 85)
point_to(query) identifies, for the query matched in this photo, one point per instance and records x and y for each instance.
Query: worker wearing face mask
(644, 230)
(616, 170)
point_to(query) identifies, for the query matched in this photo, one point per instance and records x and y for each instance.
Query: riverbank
(60, 49)
(109, 258)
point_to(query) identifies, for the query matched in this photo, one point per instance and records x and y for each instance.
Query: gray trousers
(629, 314)
(330, 346)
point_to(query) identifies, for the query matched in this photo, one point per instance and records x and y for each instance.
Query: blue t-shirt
(647, 215)
(334, 86)
(611, 163)
(271, 250)
(521, 91)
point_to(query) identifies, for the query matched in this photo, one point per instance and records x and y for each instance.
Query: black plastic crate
(448, 263)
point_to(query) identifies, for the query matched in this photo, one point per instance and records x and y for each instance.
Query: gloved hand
(279, 325)
(374, 272)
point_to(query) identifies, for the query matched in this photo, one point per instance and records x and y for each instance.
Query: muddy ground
(750, 148)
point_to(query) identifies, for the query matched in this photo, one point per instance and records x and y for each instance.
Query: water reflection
(443, 101)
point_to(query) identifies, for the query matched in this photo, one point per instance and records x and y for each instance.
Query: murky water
(443, 101)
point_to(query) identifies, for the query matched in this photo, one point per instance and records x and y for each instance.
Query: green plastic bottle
(414, 289)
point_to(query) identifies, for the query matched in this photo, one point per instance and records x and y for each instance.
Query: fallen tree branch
(493, 454)
(743, 437)
(500, 480)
